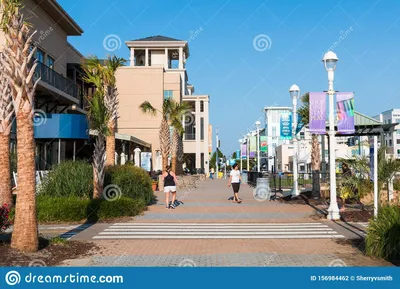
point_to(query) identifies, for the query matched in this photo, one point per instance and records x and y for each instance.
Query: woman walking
(170, 183)
(235, 179)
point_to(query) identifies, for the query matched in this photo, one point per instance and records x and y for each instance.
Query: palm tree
(111, 101)
(304, 112)
(387, 168)
(19, 71)
(6, 113)
(98, 115)
(164, 132)
(178, 110)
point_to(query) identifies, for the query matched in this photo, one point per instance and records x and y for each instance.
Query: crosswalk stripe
(217, 231)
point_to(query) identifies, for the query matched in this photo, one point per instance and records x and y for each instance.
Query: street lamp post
(241, 157)
(258, 123)
(330, 59)
(294, 93)
(248, 152)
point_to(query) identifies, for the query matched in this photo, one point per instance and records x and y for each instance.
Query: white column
(333, 210)
(137, 152)
(206, 139)
(376, 204)
(295, 191)
(74, 151)
(258, 148)
(166, 59)
(132, 57)
(248, 153)
(146, 61)
(180, 57)
(198, 147)
(59, 150)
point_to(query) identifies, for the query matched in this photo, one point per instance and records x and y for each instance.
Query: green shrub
(67, 179)
(396, 184)
(383, 234)
(132, 181)
(74, 209)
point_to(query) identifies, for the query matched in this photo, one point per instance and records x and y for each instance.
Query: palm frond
(304, 110)
(146, 107)
(98, 114)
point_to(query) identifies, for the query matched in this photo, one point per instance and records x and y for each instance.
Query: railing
(56, 80)
(190, 136)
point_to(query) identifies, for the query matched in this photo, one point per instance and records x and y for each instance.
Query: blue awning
(61, 126)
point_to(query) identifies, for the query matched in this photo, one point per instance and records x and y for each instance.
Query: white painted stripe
(212, 233)
(223, 237)
(213, 227)
(214, 224)
(217, 230)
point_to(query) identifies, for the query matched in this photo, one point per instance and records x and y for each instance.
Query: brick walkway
(207, 229)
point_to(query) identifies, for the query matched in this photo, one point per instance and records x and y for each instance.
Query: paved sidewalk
(207, 229)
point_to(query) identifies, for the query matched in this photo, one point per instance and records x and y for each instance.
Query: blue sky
(242, 77)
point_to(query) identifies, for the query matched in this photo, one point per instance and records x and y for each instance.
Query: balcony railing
(56, 80)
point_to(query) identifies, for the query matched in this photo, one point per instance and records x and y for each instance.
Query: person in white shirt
(235, 179)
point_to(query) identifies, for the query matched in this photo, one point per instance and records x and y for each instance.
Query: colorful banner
(317, 112)
(345, 112)
(238, 154)
(263, 143)
(253, 144)
(244, 150)
(300, 124)
(252, 155)
(286, 125)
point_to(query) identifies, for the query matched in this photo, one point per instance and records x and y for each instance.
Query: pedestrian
(170, 183)
(235, 179)
(212, 173)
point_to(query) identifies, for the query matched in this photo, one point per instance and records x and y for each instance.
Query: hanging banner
(300, 124)
(263, 143)
(238, 154)
(286, 125)
(145, 161)
(345, 112)
(244, 150)
(317, 110)
(252, 155)
(253, 144)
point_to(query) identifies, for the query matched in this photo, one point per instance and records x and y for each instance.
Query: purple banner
(317, 112)
(244, 150)
(345, 112)
(252, 155)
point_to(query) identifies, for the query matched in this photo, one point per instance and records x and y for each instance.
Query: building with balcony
(157, 70)
(392, 138)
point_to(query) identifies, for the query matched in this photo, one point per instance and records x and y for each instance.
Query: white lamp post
(240, 152)
(258, 123)
(294, 93)
(248, 151)
(330, 59)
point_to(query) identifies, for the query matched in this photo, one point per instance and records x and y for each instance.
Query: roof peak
(157, 38)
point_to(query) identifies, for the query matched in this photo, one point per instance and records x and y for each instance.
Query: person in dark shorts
(235, 179)
(170, 183)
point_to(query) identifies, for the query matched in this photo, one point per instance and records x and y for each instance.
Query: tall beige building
(157, 70)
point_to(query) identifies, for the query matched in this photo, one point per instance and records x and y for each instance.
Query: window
(397, 120)
(389, 121)
(202, 128)
(50, 61)
(202, 106)
(274, 131)
(40, 55)
(398, 141)
(398, 132)
(390, 142)
(302, 136)
(398, 152)
(167, 94)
